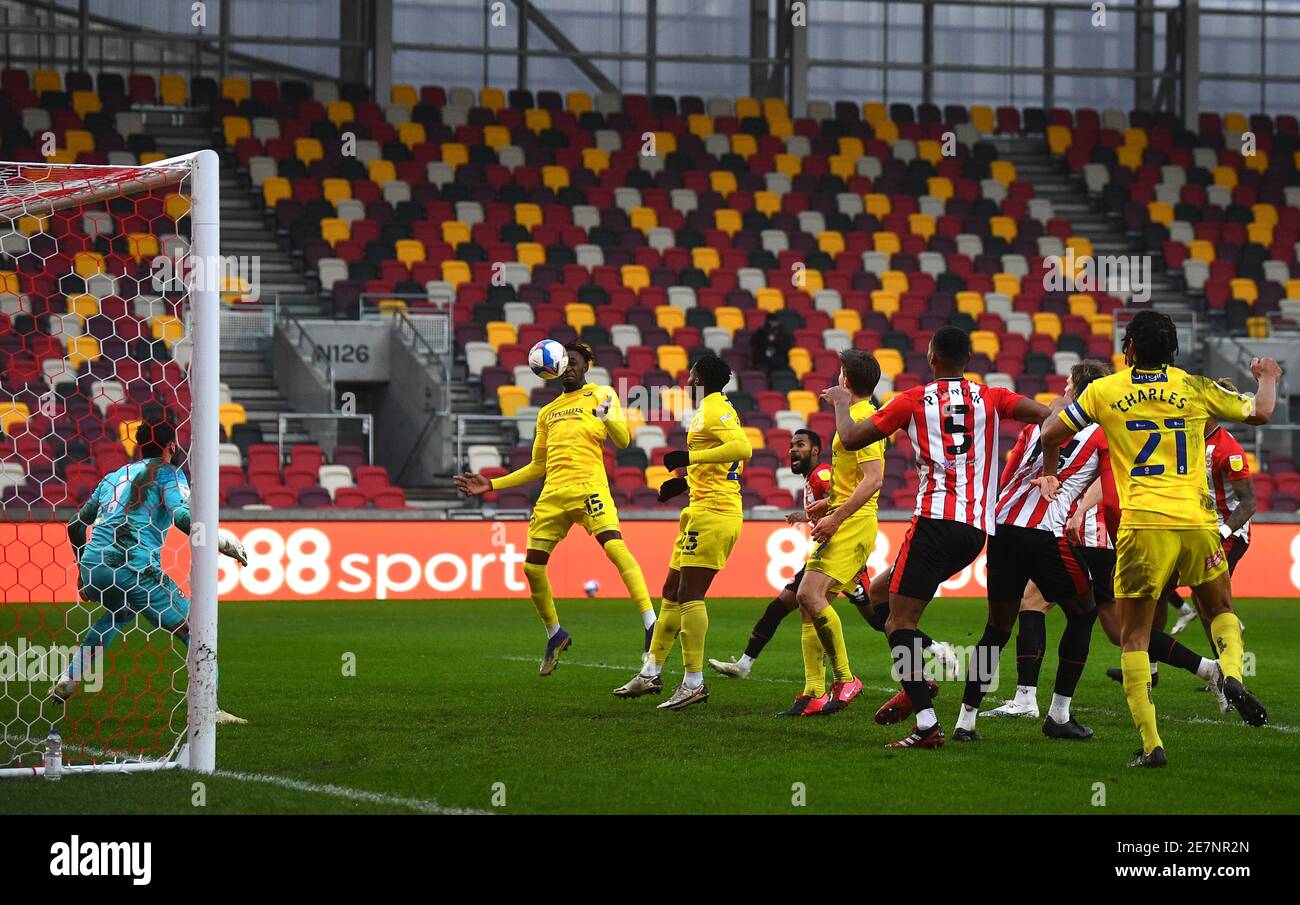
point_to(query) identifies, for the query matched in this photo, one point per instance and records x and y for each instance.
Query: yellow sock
(695, 625)
(1136, 666)
(814, 673)
(539, 588)
(831, 633)
(1226, 632)
(633, 580)
(667, 628)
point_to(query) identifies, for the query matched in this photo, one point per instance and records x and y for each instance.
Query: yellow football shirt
(846, 465)
(568, 447)
(1154, 423)
(715, 485)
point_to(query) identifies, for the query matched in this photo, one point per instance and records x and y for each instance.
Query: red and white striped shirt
(1023, 504)
(953, 426)
(816, 486)
(1095, 534)
(1225, 461)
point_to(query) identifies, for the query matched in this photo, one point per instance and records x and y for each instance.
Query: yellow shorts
(590, 505)
(842, 557)
(1146, 558)
(705, 538)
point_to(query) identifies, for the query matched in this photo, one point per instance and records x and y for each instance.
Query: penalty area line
(299, 785)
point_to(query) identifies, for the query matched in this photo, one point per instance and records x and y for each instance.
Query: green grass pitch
(446, 704)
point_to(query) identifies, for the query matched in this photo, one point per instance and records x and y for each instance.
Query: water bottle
(54, 756)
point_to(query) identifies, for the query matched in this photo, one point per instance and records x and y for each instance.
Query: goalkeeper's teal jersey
(134, 513)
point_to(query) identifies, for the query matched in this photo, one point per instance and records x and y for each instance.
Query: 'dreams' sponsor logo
(103, 859)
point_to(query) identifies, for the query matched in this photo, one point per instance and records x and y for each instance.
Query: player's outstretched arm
(854, 435)
(473, 484)
(1055, 434)
(1267, 372)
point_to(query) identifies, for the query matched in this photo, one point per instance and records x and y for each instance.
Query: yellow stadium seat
(1244, 290)
(1047, 322)
(843, 167)
(340, 112)
(670, 317)
(1135, 138)
(84, 306)
(46, 80)
(126, 431)
(655, 475)
(1201, 250)
(940, 187)
(985, 341)
(831, 241)
(748, 108)
(723, 182)
(1003, 227)
(847, 319)
(769, 299)
(768, 203)
(809, 280)
(84, 102)
(230, 414)
(336, 190)
(409, 251)
(528, 214)
(891, 362)
(86, 263)
(727, 220)
(1260, 234)
(78, 140)
(634, 276)
(729, 318)
(803, 401)
(643, 218)
(555, 177)
(275, 189)
(511, 399)
(1059, 139)
(700, 124)
(530, 253)
(234, 88)
(1128, 157)
(800, 361)
(389, 307)
(492, 98)
(82, 349)
(672, 359)
(1082, 305)
(496, 137)
(921, 225)
(1225, 176)
(886, 242)
(381, 172)
(876, 205)
(894, 281)
(595, 159)
(970, 302)
(851, 146)
(665, 143)
(308, 150)
(887, 303)
(875, 113)
(13, 413)
(1004, 171)
(887, 132)
(454, 153)
(756, 439)
(142, 245)
(983, 118)
(774, 108)
(167, 328)
(1082, 247)
(1007, 284)
(1102, 324)
(411, 134)
(456, 272)
(973, 377)
(1046, 398)
(537, 119)
(454, 232)
(788, 165)
(176, 205)
(404, 95)
(577, 102)
(499, 333)
(1160, 212)
(173, 90)
(578, 315)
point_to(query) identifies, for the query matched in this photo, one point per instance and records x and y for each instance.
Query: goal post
(110, 294)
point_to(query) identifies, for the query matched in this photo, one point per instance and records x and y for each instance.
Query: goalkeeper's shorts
(148, 591)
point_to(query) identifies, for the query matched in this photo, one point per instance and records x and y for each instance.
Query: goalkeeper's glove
(230, 546)
(677, 458)
(670, 488)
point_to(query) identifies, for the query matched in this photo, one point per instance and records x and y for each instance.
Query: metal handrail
(325, 369)
(422, 347)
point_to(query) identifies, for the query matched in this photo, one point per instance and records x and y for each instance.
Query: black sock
(984, 666)
(1072, 652)
(1031, 641)
(765, 628)
(905, 649)
(879, 616)
(1166, 650)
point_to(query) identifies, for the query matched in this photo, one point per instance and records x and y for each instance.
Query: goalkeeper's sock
(665, 635)
(539, 589)
(94, 645)
(1225, 629)
(695, 625)
(765, 628)
(1137, 692)
(831, 633)
(814, 671)
(633, 580)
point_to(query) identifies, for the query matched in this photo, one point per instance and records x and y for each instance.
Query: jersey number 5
(956, 430)
(1142, 466)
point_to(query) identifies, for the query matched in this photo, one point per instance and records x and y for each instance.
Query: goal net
(109, 294)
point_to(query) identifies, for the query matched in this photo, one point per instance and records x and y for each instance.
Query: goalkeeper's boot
(920, 738)
(1251, 710)
(842, 693)
(1020, 705)
(1116, 674)
(736, 669)
(555, 645)
(685, 697)
(1156, 758)
(229, 719)
(1186, 613)
(899, 707)
(640, 685)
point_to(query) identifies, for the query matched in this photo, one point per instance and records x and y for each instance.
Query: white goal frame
(199, 751)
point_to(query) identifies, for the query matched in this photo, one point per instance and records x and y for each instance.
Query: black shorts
(1235, 548)
(1101, 566)
(1018, 555)
(933, 551)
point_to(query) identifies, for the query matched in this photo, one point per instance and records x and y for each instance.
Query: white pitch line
(1104, 711)
(298, 785)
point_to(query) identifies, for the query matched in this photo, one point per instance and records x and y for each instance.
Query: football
(548, 359)
(592, 587)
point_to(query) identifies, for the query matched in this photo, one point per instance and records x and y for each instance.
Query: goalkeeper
(120, 565)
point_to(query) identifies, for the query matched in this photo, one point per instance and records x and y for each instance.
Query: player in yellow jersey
(844, 538)
(568, 454)
(1153, 415)
(716, 451)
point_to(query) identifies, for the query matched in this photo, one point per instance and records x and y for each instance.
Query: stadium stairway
(1034, 164)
